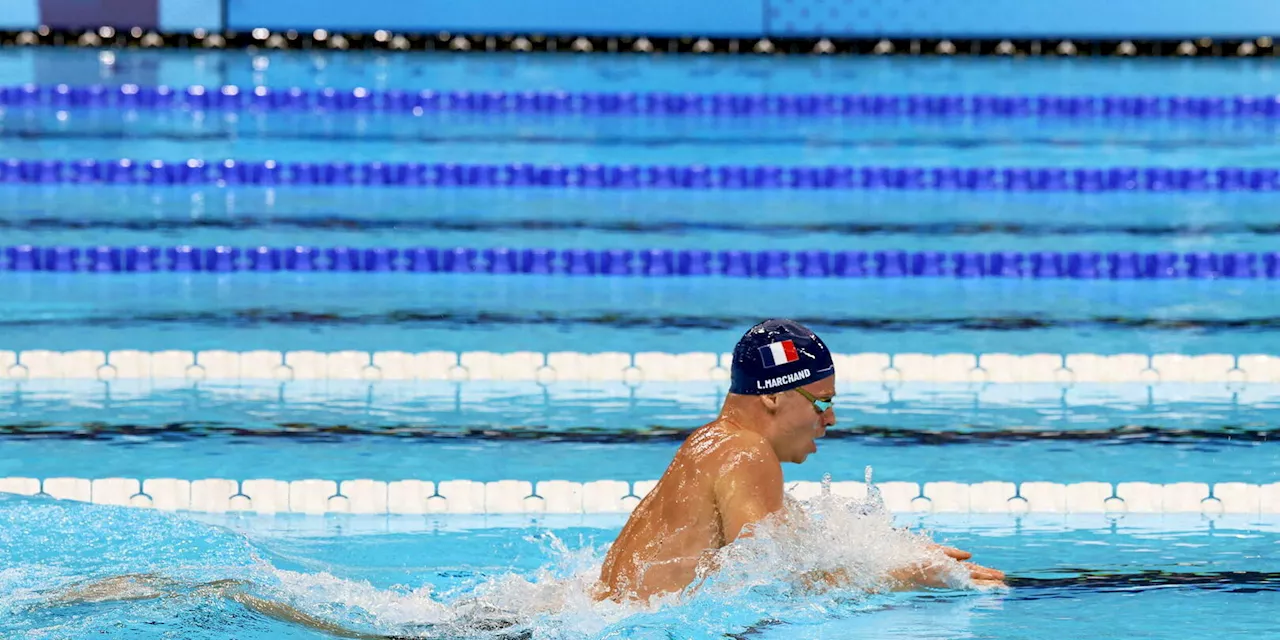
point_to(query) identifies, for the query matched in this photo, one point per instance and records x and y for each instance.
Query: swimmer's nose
(828, 420)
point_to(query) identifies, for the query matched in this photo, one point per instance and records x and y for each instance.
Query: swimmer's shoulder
(733, 442)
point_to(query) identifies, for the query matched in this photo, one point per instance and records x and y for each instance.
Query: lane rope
(376, 497)
(271, 173)
(633, 369)
(232, 98)
(653, 263)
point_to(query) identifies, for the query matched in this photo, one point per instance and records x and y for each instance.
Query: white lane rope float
(630, 368)
(376, 497)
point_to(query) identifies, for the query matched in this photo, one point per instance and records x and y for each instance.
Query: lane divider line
(374, 497)
(297, 100)
(272, 173)
(632, 369)
(651, 263)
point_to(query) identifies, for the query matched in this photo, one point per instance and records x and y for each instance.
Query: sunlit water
(434, 577)
(183, 566)
(497, 577)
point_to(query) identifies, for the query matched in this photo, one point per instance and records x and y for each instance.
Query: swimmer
(727, 476)
(724, 479)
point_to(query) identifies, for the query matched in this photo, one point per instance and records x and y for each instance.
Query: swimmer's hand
(935, 574)
(938, 576)
(984, 576)
(980, 575)
(951, 552)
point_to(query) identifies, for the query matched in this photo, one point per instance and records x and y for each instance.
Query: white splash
(828, 553)
(831, 542)
(329, 595)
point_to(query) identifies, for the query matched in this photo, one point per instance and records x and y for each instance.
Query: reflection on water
(514, 583)
(175, 567)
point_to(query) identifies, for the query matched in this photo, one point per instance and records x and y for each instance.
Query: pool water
(1086, 575)
(489, 431)
(454, 312)
(1076, 576)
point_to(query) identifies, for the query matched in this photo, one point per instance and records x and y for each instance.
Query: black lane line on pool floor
(867, 434)
(1101, 582)
(422, 318)
(343, 222)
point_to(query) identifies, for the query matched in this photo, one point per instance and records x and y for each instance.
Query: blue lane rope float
(1086, 265)
(269, 173)
(234, 98)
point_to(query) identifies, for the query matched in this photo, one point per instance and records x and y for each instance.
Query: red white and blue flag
(776, 353)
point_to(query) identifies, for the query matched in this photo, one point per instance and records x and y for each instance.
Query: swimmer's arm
(925, 574)
(904, 579)
(749, 490)
(291, 615)
(934, 573)
(140, 586)
(909, 578)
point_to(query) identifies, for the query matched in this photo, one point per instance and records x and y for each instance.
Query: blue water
(387, 458)
(419, 312)
(78, 215)
(928, 152)
(1079, 577)
(442, 431)
(493, 431)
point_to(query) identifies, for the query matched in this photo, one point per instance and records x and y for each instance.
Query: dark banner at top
(70, 14)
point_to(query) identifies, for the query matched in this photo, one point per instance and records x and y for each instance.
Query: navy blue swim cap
(777, 355)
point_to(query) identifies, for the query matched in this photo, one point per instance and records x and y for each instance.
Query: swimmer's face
(798, 422)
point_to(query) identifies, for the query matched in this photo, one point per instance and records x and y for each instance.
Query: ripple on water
(51, 547)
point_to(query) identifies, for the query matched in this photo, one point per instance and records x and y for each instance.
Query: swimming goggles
(819, 405)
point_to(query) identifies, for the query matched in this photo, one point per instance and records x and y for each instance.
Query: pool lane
(468, 312)
(390, 459)
(494, 431)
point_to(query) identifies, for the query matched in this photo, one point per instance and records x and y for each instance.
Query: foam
(758, 577)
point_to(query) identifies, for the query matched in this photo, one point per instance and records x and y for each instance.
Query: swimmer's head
(777, 355)
(789, 370)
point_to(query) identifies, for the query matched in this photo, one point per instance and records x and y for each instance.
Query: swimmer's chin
(813, 448)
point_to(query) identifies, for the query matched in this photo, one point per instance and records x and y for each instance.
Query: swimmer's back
(676, 524)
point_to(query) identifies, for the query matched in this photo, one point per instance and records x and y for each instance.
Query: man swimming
(725, 479)
(727, 476)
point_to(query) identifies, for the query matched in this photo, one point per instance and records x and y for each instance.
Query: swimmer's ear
(771, 402)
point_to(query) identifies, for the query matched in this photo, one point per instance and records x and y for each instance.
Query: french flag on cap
(776, 353)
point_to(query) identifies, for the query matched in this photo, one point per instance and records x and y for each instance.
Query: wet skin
(726, 477)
